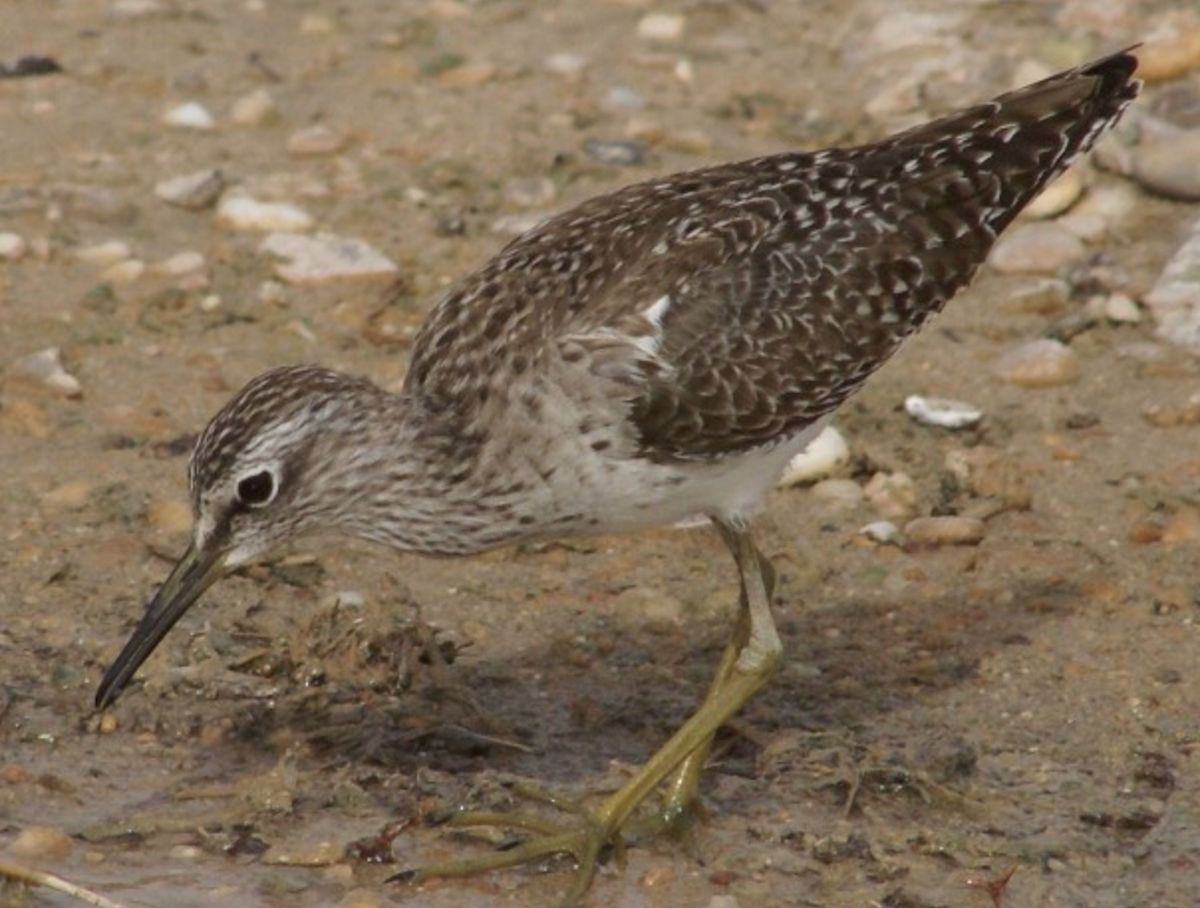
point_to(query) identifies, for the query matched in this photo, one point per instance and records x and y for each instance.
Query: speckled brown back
(785, 281)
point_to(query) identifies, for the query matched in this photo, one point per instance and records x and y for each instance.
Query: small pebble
(1182, 526)
(312, 259)
(43, 843)
(620, 154)
(1046, 296)
(272, 292)
(13, 247)
(194, 191)
(882, 531)
(1172, 45)
(531, 192)
(1122, 309)
(941, 531)
(71, 496)
(104, 254)
(1145, 532)
(568, 65)
(468, 75)
(316, 854)
(662, 27)
(12, 774)
(190, 853)
(104, 205)
(126, 272)
(825, 454)
(517, 224)
(891, 494)
(723, 901)
(1042, 363)
(316, 140)
(135, 9)
(1038, 248)
(46, 367)
(1100, 209)
(245, 213)
(1057, 197)
(318, 24)
(651, 605)
(657, 876)
(253, 109)
(181, 263)
(621, 97)
(845, 492)
(942, 412)
(1174, 300)
(191, 115)
(449, 10)
(108, 723)
(1169, 164)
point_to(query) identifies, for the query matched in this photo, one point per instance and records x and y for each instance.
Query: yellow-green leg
(752, 656)
(682, 795)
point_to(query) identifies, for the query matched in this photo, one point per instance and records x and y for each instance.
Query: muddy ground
(947, 716)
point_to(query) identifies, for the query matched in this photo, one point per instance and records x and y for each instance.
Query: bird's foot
(588, 836)
(582, 834)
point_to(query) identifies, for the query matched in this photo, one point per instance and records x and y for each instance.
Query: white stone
(941, 531)
(567, 64)
(1058, 197)
(824, 455)
(1103, 207)
(838, 491)
(942, 412)
(253, 109)
(317, 24)
(1038, 248)
(241, 212)
(13, 246)
(891, 494)
(664, 27)
(1122, 309)
(315, 140)
(193, 191)
(181, 263)
(1169, 164)
(192, 115)
(517, 224)
(1174, 300)
(125, 272)
(881, 531)
(135, 9)
(104, 254)
(273, 292)
(46, 366)
(1041, 363)
(312, 259)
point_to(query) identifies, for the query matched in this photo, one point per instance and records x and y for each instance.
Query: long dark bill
(194, 573)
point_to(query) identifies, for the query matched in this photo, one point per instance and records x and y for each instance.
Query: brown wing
(788, 280)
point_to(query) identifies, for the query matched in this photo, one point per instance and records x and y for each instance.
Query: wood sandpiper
(652, 354)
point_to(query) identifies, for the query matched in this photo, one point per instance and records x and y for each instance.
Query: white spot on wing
(654, 314)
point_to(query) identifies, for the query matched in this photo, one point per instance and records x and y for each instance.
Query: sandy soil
(947, 716)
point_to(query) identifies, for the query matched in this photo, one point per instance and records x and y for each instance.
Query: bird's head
(255, 479)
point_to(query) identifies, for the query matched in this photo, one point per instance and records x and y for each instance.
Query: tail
(1007, 150)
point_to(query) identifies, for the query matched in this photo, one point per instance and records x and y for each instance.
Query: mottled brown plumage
(650, 354)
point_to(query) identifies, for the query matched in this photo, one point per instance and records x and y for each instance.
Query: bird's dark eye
(256, 489)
